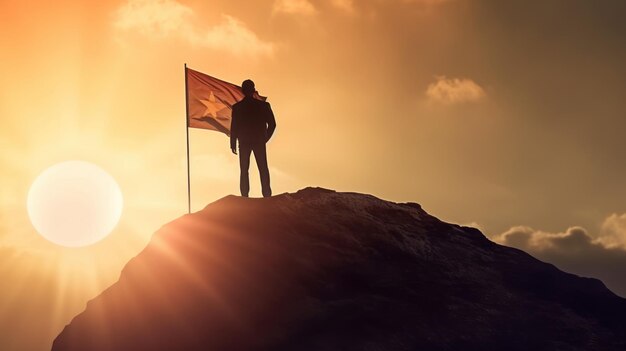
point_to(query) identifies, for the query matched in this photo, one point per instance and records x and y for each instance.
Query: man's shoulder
(257, 104)
(263, 103)
(257, 101)
(251, 103)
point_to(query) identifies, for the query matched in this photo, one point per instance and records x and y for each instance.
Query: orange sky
(507, 115)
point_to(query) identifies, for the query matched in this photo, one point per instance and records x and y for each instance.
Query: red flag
(210, 101)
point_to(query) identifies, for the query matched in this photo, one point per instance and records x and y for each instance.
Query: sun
(74, 203)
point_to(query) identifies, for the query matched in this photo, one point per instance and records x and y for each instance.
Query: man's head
(248, 87)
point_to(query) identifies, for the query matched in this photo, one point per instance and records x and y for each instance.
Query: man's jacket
(252, 122)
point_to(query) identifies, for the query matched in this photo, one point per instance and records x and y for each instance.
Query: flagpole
(187, 130)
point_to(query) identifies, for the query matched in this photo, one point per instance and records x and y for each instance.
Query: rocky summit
(324, 270)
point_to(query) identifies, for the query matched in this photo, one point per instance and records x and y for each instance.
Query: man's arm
(234, 130)
(271, 122)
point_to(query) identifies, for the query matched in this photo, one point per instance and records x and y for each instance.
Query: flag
(210, 101)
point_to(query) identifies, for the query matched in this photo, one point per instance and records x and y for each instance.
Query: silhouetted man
(252, 124)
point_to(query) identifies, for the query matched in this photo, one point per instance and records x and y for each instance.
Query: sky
(504, 115)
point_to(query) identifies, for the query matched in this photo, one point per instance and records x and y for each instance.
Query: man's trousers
(260, 155)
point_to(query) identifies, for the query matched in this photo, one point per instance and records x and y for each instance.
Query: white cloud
(454, 91)
(576, 251)
(161, 19)
(573, 239)
(306, 7)
(232, 35)
(612, 235)
(614, 231)
(300, 7)
(473, 225)
(154, 17)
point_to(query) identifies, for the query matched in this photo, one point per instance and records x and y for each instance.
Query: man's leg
(260, 154)
(244, 165)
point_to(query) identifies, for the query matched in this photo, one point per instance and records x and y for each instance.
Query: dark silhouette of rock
(321, 270)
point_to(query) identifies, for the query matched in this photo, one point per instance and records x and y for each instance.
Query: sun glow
(74, 204)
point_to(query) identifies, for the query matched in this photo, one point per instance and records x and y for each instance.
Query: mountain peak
(325, 270)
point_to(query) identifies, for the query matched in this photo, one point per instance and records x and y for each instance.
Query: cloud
(307, 8)
(576, 251)
(614, 231)
(572, 240)
(454, 91)
(160, 19)
(154, 17)
(299, 7)
(473, 225)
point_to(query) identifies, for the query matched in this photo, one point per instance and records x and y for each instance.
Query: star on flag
(213, 106)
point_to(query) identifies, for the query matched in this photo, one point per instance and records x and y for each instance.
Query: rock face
(321, 270)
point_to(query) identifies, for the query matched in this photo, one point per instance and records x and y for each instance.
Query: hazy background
(506, 115)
